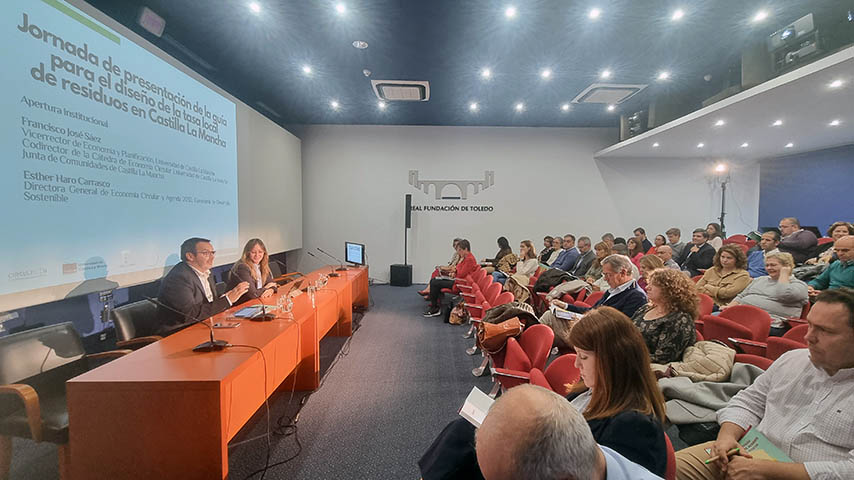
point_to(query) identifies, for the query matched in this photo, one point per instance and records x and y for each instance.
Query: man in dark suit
(699, 256)
(624, 293)
(190, 289)
(585, 260)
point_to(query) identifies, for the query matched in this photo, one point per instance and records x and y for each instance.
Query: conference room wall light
(306, 69)
(340, 8)
(520, 107)
(334, 104)
(473, 106)
(677, 15)
(486, 73)
(721, 167)
(510, 12)
(595, 13)
(255, 7)
(564, 107)
(546, 73)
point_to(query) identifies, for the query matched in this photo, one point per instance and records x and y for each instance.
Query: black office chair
(220, 289)
(135, 324)
(34, 365)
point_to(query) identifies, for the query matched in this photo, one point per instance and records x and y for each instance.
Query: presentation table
(165, 411)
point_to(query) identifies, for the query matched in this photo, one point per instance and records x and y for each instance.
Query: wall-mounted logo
(452, 189)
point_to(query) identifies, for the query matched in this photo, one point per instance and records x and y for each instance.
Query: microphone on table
(264, 317)
(210, 346)
(332, 272)
(342, 268)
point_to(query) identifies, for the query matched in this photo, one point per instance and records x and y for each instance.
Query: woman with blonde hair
(667, 321)
(253, 268)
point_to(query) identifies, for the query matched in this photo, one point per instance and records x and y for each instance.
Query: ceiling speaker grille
(611, 93)
(401, 90)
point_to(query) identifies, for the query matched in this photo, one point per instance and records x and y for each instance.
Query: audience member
(189, 288)
(253, 267)
(797, 241)
(609, 239)
(667, 321)
(585, 258)
(715, 235)
(674, 240)
(825, 253)
(444, 270)
(557, 249)
(467, 265)
(779, 293)
(636, 250)
(566, 260)
(699, 256)
(727, 278)
(803, 404)
(526, 267)
(623, 293)
(617, 395)
(619, 241)
(640, 236)
(547, 249)
(840, 273)
(756, 260)
(534, 434)
(665, 253)
(491, 264)
(647, 264)
(594, 273)
(658, 241)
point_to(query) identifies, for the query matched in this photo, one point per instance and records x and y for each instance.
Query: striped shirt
(804, 411)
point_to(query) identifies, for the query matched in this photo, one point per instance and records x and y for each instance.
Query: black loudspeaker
(408, 210)
(401, 275)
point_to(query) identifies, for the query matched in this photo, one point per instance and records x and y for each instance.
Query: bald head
(844, 248)
(535, 434)
(664, 252)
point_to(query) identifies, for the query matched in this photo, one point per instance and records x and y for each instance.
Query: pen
(716, 457)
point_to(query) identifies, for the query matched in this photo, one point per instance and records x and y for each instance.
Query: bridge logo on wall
(452, 189)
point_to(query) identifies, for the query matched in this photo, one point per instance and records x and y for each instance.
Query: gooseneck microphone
(333, 257)
(264, 317)
(332, 269)
(210, 346)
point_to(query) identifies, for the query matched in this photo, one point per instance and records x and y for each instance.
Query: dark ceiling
(259, 57)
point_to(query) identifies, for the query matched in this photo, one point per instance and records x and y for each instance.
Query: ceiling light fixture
(677, 15)
(760, 15)
(565, 107)
(510, 12)
(835, 123)
(612, 107)
(255, 7)
(361, 45)
(605, 74)
(745, 145)
(334, 104)
(473, 106)
(836, 83)
(655, 145)
(594, 13)
(777, 123)
(663, 75)
(340, 8)
(306, 69)
(381, 105)
(486, 73)
(720, 123)
(790, 145)
(520, 106)
(546, 73)
(701, 145)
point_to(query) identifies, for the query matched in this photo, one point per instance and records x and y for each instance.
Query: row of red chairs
(745, 329)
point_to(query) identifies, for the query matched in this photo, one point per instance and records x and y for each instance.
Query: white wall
(546, 182)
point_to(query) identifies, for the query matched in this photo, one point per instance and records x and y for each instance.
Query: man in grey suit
(189, 288)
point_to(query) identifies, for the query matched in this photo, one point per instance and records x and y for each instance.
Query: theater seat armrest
(503, 372)
(30, 399)
(749, 346)
(138, 341)
(110, 354)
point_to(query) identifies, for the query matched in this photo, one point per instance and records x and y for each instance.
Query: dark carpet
(385, 394)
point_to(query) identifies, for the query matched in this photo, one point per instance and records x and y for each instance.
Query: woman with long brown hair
(253, 268)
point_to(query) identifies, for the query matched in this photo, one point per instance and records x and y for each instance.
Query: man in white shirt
(189, 291)
(804, 404)
(534, 434)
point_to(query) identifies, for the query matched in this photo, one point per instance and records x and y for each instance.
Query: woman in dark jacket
(253, 268)
(617, 394)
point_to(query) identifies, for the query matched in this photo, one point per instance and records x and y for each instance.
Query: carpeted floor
(389, 391)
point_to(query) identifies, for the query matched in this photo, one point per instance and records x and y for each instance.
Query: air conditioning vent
(401, 90)
(609, 93)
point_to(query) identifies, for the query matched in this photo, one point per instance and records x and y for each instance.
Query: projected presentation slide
(112, 156)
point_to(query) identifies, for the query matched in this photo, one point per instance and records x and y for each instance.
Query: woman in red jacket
(467, 265)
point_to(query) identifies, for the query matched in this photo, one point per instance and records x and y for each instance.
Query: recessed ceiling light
(486, 73)
(255, 7)
(306, 69)
(836, 83)
(790, 145)
(760, 15)
(677, 15)
(473, 106)
(510, 12)
(835, 123)
(663, 75)
(361, 45)
(381, 105)
(565, 107)
(605, 74)
(745, 145)
(546, 73)
(520, 106)
(701, 145)
(594, 13)
(612, 107)
(720, 123)
(655, 145)
(340, 8)
(334, 104)
(777, 123)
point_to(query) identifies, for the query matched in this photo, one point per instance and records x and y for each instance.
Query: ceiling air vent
(401, 90)
(610, 93)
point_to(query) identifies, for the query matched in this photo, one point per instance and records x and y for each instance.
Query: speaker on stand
(401, 274)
